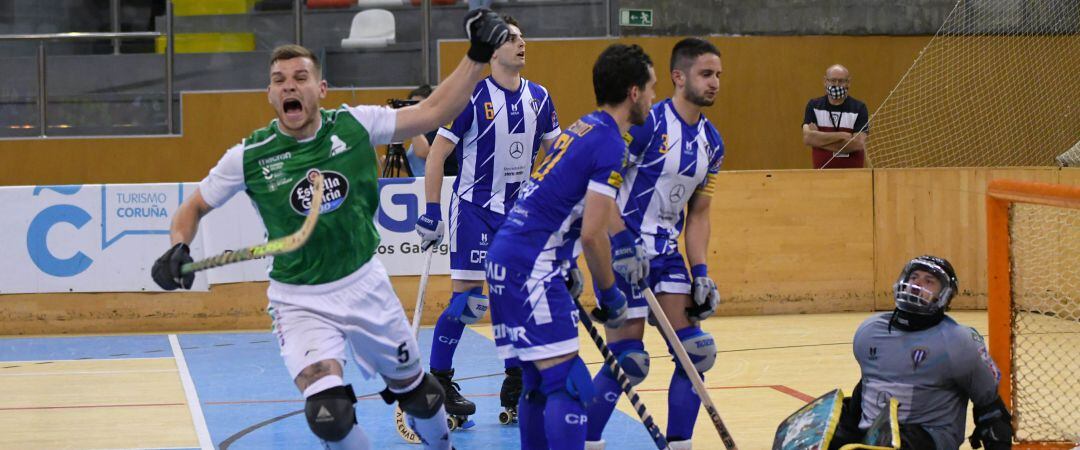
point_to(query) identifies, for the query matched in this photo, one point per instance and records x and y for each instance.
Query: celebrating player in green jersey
(331, 291)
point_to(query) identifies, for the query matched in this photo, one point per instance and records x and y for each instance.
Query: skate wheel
(451, 423)
(504, 418)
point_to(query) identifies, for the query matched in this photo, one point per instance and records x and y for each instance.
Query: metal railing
(116, 37)
(41, 39)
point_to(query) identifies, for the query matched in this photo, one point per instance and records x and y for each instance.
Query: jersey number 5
(557, 152)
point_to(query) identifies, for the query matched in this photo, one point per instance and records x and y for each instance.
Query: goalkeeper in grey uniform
(930, 364)
(332, 295)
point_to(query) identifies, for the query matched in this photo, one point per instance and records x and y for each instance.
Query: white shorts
(313, 323)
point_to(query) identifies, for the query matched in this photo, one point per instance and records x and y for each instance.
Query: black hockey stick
(624, 382)
(279, 246)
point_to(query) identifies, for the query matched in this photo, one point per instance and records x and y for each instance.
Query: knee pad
(424, 401)
(330, 413)
(632, 358)
(570, 376)
(468, 307)
(700, 346)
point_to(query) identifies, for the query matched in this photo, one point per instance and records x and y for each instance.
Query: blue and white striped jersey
(497, 138)
(669, 160)
(543, 229)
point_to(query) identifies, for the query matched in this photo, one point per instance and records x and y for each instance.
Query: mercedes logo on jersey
(676, 193)
(335, 190)
(517, 149)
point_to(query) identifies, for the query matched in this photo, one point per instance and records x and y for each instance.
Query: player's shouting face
(700, 82)
(296, 86)
(512, 53)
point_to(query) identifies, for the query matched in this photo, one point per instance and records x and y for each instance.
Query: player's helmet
(907, 293)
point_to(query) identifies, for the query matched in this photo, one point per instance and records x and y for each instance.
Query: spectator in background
(835, 124)
(420, 145)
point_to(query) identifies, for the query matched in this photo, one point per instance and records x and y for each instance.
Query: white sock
(595, 445)
(679, 445)
(355, 440)
(433, 432)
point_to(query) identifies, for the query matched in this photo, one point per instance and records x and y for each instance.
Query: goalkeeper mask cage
(913, 298)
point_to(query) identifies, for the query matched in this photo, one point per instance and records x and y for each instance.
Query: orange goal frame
(999, 195)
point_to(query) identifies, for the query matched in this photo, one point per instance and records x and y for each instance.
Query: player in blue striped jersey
(567, 206)
(675, 156)
(495, 140)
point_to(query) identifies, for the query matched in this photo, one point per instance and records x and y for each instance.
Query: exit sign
(635, 17)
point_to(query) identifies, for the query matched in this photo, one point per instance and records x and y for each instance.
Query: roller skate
(511, 392)
(458, 408)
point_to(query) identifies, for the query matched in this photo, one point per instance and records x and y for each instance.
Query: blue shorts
(472, 227)
(667, 274)
(533, 317)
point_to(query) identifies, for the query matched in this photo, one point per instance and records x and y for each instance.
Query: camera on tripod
(397, 164)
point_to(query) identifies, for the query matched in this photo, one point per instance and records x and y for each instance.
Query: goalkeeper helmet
(916, 294)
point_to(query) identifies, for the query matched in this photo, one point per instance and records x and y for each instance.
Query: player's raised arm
(486, 32)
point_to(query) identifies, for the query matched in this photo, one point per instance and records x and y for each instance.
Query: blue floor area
(250, 403)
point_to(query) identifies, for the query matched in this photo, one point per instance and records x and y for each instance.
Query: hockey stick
(688, 366)
(287, 244)
(404, 430)
(624, 382)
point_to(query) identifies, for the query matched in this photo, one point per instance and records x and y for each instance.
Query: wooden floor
(85, 395)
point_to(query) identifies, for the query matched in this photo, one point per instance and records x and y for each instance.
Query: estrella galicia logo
(918, 355)
(335, 190)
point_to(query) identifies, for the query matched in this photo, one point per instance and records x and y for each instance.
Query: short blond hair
(290, 51)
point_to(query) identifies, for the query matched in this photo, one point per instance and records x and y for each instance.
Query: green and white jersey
(271, 167)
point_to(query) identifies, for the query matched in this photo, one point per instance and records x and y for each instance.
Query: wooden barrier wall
(783, 242)
(764, 89)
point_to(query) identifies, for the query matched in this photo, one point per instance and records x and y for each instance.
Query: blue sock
(607, 391)
(564, 414)
(531, 410)
(445, 341)
(683, 402)
(564, 421)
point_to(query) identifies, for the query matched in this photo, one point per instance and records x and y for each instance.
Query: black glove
(486, 32)
(166, 270)
(993, 427)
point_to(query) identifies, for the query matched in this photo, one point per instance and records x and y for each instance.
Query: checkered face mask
(836, 92)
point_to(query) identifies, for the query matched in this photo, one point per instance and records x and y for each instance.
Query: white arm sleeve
(225, 179)
(380, 121)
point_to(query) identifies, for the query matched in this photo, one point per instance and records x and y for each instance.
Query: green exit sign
(635, 17)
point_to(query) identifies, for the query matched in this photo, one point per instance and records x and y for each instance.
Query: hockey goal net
(1033, 236)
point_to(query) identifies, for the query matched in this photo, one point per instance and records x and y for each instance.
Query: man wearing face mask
(835, 124)
(932, 365)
